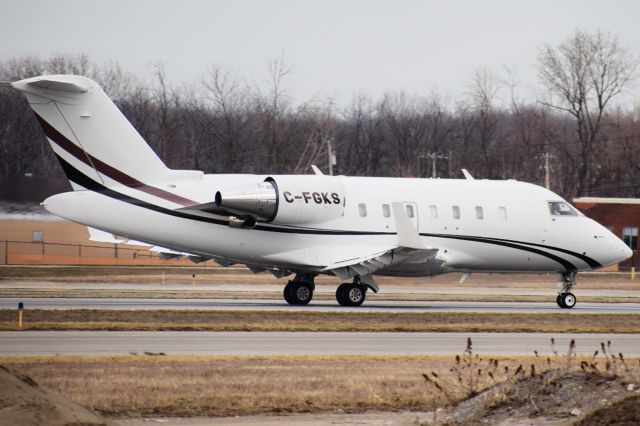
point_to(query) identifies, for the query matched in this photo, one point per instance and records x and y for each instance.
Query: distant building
(620, 215)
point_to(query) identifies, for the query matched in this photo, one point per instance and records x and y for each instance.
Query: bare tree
(582, 75)
(229, 123)
(221, 124)
(319, 126)
(273, 120)
(361, 139)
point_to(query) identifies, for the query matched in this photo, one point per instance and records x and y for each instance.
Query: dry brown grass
(236, 385)
(318, 321)
(187, 386)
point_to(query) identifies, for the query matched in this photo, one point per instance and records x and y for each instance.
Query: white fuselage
(502, 226)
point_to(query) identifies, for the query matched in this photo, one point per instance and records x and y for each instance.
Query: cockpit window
(560, 208)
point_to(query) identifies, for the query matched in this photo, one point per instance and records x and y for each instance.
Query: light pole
(434, 158)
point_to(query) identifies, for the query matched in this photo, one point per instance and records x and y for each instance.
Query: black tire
(351, 294)
(559, 300)
(287, 293)
(341, 294)
(568, 300)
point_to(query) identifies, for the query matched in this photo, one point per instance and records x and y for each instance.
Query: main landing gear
(299, 291)
(351, 294)
(566, 299)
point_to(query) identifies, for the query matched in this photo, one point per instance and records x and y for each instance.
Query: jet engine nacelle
(287, 199)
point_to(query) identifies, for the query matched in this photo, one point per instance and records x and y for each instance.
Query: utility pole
(547, 180)
(331, 157)
(434, 159)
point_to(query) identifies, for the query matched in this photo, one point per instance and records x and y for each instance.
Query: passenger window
(560, 208)
(386, 211)
(502, 213)
(362, 209)
(479, 213)
(456, 212)
(409, 209)
(433, 212)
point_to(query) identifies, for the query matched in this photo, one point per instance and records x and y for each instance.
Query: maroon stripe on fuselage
(106, 169)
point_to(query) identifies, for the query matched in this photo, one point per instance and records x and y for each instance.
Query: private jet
(305, 225)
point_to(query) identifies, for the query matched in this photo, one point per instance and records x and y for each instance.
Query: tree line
(572, 132)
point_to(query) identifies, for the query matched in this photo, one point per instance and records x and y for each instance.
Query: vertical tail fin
(89, 133)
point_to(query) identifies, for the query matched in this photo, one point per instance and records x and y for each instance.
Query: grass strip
(146, 320)
(144, 385)
(137, 386)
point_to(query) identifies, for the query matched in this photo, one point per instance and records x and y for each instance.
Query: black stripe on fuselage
(586, 259)
(81, 179)
(506, 243)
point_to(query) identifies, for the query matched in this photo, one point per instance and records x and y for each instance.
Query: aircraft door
(412, 212)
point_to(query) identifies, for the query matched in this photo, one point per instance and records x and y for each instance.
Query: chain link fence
(46, 253)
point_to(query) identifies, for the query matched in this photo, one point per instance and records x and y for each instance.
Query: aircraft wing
(368, 264)
(409, 248)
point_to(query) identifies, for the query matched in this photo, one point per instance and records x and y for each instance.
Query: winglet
(467, 175)
(407, 233)
(316, 170)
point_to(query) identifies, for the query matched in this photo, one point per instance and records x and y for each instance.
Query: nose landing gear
(566, 299)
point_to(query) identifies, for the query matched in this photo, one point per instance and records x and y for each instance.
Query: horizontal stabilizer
(55, 83)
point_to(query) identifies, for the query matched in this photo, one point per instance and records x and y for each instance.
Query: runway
(302, 343)
(320, 305)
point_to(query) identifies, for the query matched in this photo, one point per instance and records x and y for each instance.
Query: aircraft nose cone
(619, 252)
(626, 252)
(611, 248)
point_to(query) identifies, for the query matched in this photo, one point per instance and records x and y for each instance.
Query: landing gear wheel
(351, 294)
(341, 294)
(287, 292)
(568, 300)
(356, 294)
(298, 293)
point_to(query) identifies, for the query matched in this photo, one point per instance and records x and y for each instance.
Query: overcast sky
(334, 48)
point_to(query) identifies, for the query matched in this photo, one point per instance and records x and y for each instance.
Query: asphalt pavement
(301, 343)
(371, 305)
